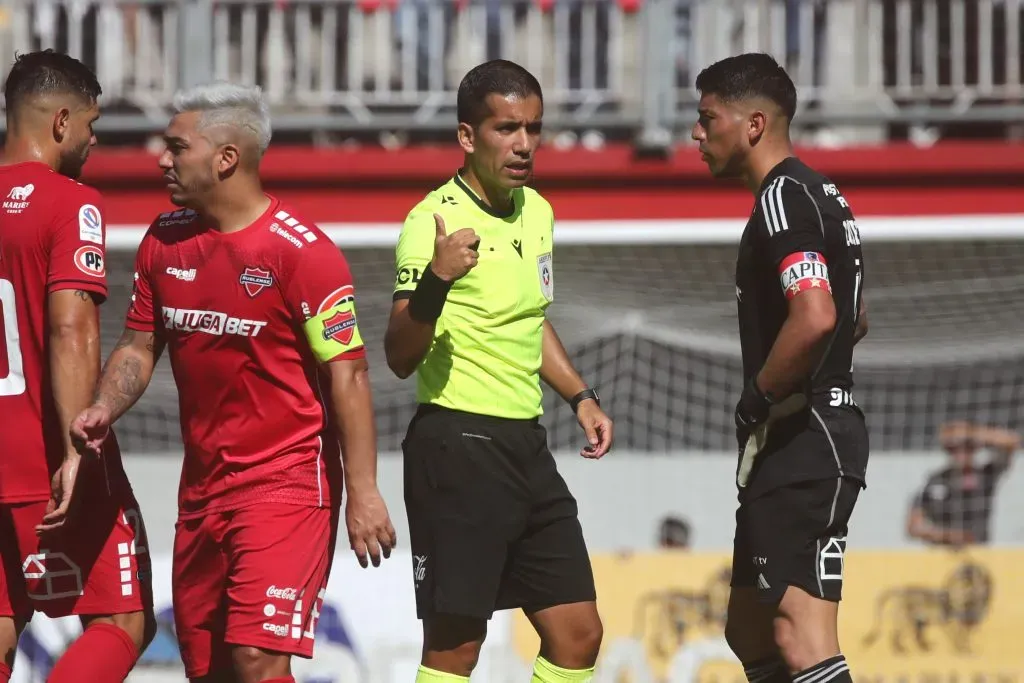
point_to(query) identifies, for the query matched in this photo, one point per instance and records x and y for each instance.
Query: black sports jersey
(802, 235)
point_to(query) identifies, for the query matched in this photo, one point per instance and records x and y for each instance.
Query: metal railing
(133, 46)
(357, 65)
(872, 61)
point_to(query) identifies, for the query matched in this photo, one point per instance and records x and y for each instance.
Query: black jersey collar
(777, 170)
(481, 204)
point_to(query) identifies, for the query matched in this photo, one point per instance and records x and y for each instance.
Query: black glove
(751, 411)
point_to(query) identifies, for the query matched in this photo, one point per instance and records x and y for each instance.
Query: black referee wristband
(428, 298)
(575, 401)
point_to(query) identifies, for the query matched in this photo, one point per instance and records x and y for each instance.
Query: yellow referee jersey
(486, 353)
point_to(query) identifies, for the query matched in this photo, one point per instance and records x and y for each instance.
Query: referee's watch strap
(575, 401)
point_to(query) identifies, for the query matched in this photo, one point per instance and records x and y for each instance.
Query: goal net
(652, 323)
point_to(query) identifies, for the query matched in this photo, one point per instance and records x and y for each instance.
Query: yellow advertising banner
(909, 616)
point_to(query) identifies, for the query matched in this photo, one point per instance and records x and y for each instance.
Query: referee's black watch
(575, 401)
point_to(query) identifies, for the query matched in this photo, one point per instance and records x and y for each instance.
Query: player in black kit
(802, 439)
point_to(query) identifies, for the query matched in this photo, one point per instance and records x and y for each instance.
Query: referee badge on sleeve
(545, 270)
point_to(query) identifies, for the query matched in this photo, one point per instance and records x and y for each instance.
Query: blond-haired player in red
(256, 307)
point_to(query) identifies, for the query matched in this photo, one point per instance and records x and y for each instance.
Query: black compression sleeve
(428, 299)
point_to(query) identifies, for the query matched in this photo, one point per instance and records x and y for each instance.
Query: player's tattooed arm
(128, 370)
(74, 352)
(73, 336)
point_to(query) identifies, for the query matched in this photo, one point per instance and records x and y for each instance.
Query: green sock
(425, 675)
(546, 672)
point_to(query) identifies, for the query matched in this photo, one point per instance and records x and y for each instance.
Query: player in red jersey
(90, 559)
(256, 307)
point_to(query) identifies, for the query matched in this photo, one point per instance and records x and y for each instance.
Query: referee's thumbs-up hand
(454, 254)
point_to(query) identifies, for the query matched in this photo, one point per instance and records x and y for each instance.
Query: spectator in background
(426, 27)
(955, 506)
(674, 533)
(416, 32)
(795, 48)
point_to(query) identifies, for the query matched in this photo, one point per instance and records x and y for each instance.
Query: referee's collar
(481, 204)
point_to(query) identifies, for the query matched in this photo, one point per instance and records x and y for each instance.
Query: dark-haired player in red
(71, 538)
(256, 307)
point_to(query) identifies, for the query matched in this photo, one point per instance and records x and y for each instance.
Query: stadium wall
(379, 187)
(623, 497)
(909, 616)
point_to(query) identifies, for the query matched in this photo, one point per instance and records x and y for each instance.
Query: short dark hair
(753, 74)
(47, 72)
(496, 76)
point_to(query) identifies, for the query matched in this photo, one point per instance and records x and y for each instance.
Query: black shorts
(822, 442)
(492, 524)
(794, 535)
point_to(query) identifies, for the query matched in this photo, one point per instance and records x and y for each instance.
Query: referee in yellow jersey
(492, 523)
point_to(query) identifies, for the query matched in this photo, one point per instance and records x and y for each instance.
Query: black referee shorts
(492, 523)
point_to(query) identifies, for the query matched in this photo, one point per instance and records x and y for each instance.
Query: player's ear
(227, 160)
(467, 137)
(61, 123)
(757, 122)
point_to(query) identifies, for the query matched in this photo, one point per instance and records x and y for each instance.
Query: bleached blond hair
(241, 107)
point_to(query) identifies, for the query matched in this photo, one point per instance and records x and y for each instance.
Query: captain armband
(803, 270)
(333, 331)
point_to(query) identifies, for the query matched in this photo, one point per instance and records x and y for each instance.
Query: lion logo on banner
(911, 612)
(664, 619)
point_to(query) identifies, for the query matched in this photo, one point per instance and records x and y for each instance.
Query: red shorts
(254, 577)
(97, 563)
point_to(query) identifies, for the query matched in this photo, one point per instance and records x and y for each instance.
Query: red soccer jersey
(51, 238)
(248, 317)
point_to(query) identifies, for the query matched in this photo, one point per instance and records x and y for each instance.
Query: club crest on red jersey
(255, 280)
(340, 327)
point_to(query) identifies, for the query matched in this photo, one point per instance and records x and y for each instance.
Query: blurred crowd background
(922, 69)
